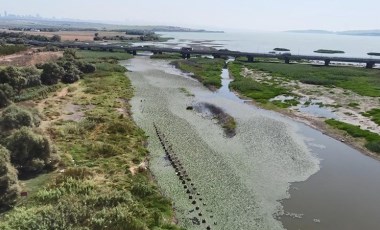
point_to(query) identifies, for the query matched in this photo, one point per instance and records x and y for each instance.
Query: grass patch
(97, 56)
(365, 82)
(372, 139)
(259, 91)
(207, 71)
(374, 114)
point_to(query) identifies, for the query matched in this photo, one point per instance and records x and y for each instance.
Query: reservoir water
(298, 43)
(274, 174)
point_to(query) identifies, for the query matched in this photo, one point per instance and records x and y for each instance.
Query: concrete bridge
(186, 53)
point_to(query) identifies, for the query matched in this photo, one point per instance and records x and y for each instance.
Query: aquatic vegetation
(227, 122)
(260, 92)
(206, 70)
(374, 114)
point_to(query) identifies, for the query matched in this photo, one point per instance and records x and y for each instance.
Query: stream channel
(275, 173)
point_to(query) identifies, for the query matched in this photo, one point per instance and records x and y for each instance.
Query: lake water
(298, 43)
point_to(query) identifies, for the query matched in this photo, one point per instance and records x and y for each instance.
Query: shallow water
(242, 179)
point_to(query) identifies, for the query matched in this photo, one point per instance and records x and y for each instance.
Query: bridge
(186, 53)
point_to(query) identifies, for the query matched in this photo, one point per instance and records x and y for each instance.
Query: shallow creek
(243, 182)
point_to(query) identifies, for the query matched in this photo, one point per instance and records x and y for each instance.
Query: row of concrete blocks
(183, 176)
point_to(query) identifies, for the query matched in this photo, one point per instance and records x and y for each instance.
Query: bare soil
(29, 58)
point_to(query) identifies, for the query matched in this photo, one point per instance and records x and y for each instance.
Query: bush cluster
(67, 70)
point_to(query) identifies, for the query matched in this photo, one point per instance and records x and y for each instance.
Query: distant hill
(347, 32)
(36, 23)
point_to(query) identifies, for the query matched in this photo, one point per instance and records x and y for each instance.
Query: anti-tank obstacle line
(183, 176)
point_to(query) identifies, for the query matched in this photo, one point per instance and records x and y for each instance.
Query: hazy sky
(233, 14)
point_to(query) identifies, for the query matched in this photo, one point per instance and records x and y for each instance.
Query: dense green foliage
(31, 153)
(206, 70)
(373, 139)
(374, 114)
(14, 117)
(363, 81)
(260, 92)
(9, 185)
(11, 49)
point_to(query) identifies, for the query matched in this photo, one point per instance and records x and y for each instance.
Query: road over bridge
(187, 52)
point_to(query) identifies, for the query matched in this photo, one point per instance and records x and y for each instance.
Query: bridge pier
(110, 50)
(216, 55)
(188, 56)
(159, 52)
(134, 52)
(370, 65)
(287, 60)
(327, 62)
(250, 58)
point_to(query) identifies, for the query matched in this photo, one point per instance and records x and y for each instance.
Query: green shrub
(51, 74)
(9, 186)
(15, 117)
(4, 100)
(31, 153)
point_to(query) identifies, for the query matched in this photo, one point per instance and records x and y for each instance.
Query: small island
(373, 54)
(324, 51)
(281, 49)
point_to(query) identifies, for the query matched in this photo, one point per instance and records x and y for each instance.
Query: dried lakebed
(241, 181)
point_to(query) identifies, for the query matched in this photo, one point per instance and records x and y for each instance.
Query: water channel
(274, 174)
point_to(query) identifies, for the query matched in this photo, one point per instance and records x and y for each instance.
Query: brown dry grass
(29, 58)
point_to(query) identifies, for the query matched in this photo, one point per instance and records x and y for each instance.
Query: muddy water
(239, 181)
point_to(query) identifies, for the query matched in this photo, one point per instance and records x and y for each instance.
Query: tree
(51, 74)
(55, 38)
(31, 153)
(9, 185)
(86, 67)
(7, 74)
(70, 54)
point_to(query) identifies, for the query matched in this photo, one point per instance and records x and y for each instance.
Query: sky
(253, 15)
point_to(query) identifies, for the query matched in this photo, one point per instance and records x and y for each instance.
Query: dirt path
(53, 108)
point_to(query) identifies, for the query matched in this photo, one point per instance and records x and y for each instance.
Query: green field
(207, 71)
(374, 114)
